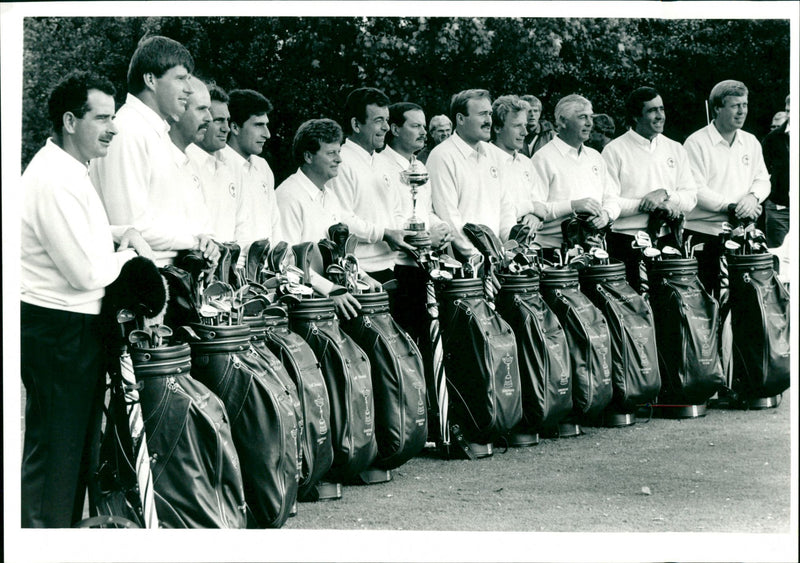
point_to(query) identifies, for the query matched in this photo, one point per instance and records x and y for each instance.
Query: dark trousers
(62, 370)
(619, 248)
(707, 259)
(776, 224)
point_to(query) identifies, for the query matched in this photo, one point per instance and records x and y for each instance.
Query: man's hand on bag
(652, 200)
(133, 239)
(748, 208)
(346, 305)
(670, 207)
(586, 205)
(209, 248)
(395, 239)
(531, 221)
(599, 221)
(441, 234)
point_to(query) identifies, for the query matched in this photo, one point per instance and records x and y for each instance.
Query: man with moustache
(509, 116)
(540, 132)
(249, 120)
(728, 168)
(653, 173)
(465, 184)
(575, 176)
(364, 188)
(220, 191)
(67, 259)
(136, 179)
(439, 129)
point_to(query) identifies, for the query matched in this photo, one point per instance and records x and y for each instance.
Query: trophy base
(419, 239)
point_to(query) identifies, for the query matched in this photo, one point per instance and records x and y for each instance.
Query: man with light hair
(540, 131)
(465, 183)
(653, 174)
(729, 169)
(509, 116)
(575, 176)
(778, 119)
(439, 129)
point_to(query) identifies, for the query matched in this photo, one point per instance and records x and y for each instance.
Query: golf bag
(544, 364)
(262, 416)
(577, 230)
(183, 297)
(226, 265)
(398, 381)
(759, 307)
(188, 435)
(256, 260)
(588, 338)
(480, 357)
(686, 320)
(304, 370)
(634, 355)
(346, 369)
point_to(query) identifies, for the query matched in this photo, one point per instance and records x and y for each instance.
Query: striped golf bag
(263, 419)
(544, 363)
(759, 307)
(480, 357)
(196, 474)
(398, 381)
(346, 369)
(687, 321)
(589, 342)
(636, 379)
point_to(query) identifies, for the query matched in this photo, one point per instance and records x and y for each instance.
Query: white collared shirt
(724, 174)
(640, 166)
(306, 211)
(369, 202)
(569, 174)
(466, 188)
(138, 180)
(520, 180)
(259, 218)
(67, 245)
(221, 193)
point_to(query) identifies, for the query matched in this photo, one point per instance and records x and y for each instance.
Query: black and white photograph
(400, 281)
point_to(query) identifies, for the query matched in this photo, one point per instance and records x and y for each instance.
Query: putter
(696, 247)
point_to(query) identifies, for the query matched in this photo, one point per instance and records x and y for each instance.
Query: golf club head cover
(485, 240)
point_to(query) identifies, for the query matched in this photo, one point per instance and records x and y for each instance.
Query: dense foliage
(306, 65)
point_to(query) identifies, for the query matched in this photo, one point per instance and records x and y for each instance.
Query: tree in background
(306, 65)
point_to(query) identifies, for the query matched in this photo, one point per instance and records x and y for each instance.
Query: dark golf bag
(480, 358)
(262, 417)
(346, 369)
(398, 381)
(759, 307)
(301, 364)
(588, 338)
(634, 355)
(544, 363)
(686, 320)
(197, 481)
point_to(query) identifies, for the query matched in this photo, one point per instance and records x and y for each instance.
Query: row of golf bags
(244, 418)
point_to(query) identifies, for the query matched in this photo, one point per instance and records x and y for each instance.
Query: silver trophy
(415, 176)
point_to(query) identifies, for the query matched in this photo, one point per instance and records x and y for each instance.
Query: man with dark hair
(67, 258)
(137, 179)
(220, 190)
(728, 168)
(249, 131)
(653, 173)
(540, 131)
(363, 185)
(509, 116)
(603, 129)
(465, 183)
(776, 157)
(307, 204)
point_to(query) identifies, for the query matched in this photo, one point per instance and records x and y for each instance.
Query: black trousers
(707, 260)
(619, 248)
(62, 370)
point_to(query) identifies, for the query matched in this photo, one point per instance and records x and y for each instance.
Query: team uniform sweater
(67, 245)
(520, 180)
(221, 193)
(724, 174)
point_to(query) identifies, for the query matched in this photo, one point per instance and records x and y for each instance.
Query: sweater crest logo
(671, 162)
(493, 171)
(232, 190)
(264, 187)
(387, 182)
(596, 170)
(746, 159)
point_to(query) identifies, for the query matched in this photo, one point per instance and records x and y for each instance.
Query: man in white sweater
(729, 169)
(137, 179)
(575, 176)
(653, 173)
(363, 186)
(67, 260)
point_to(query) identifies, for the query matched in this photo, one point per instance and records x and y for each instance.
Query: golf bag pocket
(346, 369)
(588, 339)
(759, 306)
(686, 320)
(480, 358)
(398, 381)
(544, 363)
(188, 434)
(302, 367)
(636, 379)
(262, 419)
